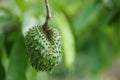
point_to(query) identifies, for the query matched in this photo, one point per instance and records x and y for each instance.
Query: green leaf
(2, 72)
(88, 14)
(18, 60)
(2, 38)
(117, 4)
(7, 18)
(69, 7)
(32, 74)
(67, 37)
(23, 5)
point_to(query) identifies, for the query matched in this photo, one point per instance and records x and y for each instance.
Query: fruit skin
(43, 48)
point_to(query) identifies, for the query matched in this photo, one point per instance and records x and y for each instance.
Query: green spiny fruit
(44, 47)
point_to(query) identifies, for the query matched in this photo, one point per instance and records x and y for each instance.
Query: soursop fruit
(43, 47)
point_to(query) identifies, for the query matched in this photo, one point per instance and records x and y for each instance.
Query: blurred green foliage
(90, 31)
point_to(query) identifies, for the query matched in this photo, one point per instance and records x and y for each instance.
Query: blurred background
(90, 31)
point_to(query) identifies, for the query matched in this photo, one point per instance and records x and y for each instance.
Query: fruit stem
(45, 26)
(48, 11)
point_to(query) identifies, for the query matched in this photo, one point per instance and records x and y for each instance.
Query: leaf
(2, 38)
(23, 5)
(18, 60)
(117, 4)
(2, 72)
(86, 17)
(31, 74)
(68, 40)
(7, 18)
(70, 8)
